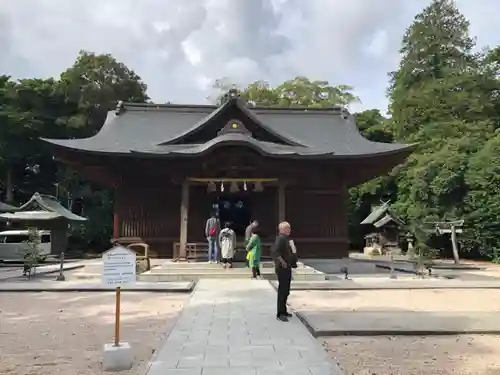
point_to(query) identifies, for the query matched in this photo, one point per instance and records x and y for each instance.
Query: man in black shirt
(283, 259)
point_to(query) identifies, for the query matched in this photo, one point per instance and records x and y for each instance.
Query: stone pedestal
(117, 358)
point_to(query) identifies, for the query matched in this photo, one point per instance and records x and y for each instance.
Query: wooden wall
(148, 201)
(318, 220)
(149, 215)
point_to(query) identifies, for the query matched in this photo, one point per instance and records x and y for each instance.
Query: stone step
(204, 266)
(159, 277)
(225, 274)
(209, 271)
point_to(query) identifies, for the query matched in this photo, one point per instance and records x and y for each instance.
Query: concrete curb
(381, 286)
(317, 333)
(4, 288)
(462, 267)
(39, 273)
(411, 272)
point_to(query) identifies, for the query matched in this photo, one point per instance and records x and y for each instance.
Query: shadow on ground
(63, 333)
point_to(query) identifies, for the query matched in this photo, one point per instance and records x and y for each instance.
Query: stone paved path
(229, 328)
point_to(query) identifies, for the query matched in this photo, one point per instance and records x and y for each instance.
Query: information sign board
(119, 266)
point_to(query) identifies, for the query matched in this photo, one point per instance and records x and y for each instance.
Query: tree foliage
(73, 106)
(297, 92)
(445, 97)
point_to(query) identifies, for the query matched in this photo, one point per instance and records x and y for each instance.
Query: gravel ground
(442, 300)
(63, 333)
(408, 355)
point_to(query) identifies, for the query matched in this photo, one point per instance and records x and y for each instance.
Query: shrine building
(171, 165)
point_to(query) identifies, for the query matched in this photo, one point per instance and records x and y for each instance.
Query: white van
(13, 242)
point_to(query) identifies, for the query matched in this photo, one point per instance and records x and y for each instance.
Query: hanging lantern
(245, 186)
(222, 186)
(234, 187)
(211, 188)
(258, 187)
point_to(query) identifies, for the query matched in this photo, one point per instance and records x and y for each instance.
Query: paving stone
(157, 368)
(230, 371)
(325, 370)
(229, 327)
(283, 370)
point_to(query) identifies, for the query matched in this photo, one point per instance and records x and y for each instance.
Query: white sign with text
(118, 266)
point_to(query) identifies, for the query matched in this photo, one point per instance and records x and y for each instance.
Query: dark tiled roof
(50, 204)
(377, 220)
(376, 213)
(4, 207)
(147, 129)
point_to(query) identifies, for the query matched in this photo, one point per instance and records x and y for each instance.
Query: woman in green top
(254, 250)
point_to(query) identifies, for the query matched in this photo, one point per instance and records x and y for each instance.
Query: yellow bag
(249, 255)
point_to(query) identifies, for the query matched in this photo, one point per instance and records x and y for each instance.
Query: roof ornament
(258, 187)
(344, 113)
(211, 188)
(233, 93)
(119, 107)
(233, 188)
(234, 126)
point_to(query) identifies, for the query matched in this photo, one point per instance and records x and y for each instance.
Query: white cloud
(178, 47)
(378, 45)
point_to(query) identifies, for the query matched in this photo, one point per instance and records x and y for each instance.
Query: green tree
(374, 127)
(436, 46)
(297, 92)
(97, 82)
(76, 105)
(31, 108)
(438, 97)
(9, 134)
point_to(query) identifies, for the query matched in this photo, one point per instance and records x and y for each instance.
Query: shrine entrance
(235, 209)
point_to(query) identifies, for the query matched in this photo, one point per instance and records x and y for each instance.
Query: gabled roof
(4, 207)
(160, 130)
(48, 204)
(382, 215)
(241, 106)
(30, 216)
(376, 213)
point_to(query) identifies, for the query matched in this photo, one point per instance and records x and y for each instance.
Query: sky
(179, 47)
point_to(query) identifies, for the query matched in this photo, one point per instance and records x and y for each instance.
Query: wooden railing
(199, 250)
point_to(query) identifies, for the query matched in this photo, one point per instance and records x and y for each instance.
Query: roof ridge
(152, 106)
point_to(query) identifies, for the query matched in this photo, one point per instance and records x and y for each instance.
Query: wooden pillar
(281, 202)
(184, 219)
(116, 225)
(116, 216)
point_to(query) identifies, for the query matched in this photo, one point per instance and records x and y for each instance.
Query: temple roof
(4, 207)
(377, 219)
(43, 207)
(168, 130)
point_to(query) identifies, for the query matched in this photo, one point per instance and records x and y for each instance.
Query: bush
(32, 253)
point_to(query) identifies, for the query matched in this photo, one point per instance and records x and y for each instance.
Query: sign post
(117, 316)
(118, 270)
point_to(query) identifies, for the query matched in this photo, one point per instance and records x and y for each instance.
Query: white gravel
(419, 355)
(409, 355)
(443, 300)
(63, 333)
